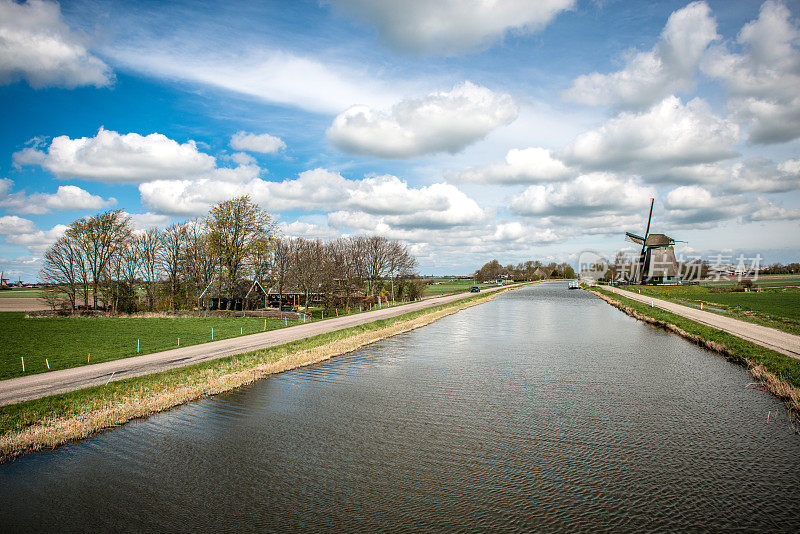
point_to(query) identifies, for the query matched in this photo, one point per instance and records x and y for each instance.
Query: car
(474, 289)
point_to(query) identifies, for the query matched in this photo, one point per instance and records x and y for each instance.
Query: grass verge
(778, 373)
(51, 421)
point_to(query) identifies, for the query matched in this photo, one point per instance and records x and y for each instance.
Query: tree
(236, 227)
(100, 238)
(61, 268)
(149, 245)
(172, 255)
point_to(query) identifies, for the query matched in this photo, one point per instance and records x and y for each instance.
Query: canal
(543, 409)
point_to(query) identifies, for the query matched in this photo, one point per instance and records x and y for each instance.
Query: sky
(470, 130)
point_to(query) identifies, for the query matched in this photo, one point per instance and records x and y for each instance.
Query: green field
(451, 285)
(778, 280)
(21, 293)
(67, 342)
(778, 307)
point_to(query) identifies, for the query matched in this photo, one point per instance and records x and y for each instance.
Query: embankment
(778, 373)
(51, 421)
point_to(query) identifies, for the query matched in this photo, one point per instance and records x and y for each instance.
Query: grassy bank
(776, 308)
(50, 421)
(780, 374)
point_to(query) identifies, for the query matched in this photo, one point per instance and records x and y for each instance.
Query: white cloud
(145, 221)
(273, 76)
(113, 157)
(443, 121)
(67, 197)
(650, 76)
(242, 158)
(522, 166)
(262, 143)
(586, 195)
(436, 205)
(694, 206)
(763, 80)
(23, 232)
(520, 233)
(668, 134)
(37, 46)
(768, 211)
(451, 26)
(307, 230)
(12, 225)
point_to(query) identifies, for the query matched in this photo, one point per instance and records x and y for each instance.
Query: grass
(21, 293)
(778, 307)
(784, 369)
(67, 341)
(772, 280)
(451, 285)
(52, 420)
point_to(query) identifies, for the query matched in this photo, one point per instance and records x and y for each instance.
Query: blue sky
(523, 130)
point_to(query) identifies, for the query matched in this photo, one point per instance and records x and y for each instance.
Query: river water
(543, 409)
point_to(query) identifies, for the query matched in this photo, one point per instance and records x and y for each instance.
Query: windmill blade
(633, 238)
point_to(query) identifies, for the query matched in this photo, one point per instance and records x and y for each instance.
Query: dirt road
(11, 304)
(41, 385)
(777, 340)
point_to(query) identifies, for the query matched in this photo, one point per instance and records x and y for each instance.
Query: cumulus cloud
(436, 205)
(668, 134)
(588, 194)
(650, 76)
(762, 81)
(37, 46)
(113, 157)
(443, 121)
(261, 143)
(764, 210)
(522, 166)
(13, 225)
(698, 207)
(67, 197)
(307, 230)
(452, 26)
(145, 221)
(23, 232)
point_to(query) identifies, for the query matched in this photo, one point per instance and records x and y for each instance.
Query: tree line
(525, 271)
(102, 263)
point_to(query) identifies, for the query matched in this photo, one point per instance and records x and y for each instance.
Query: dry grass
(216, 379)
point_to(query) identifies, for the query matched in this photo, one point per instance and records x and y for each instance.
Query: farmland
(776, 307)
(452, 285)
(68, 342)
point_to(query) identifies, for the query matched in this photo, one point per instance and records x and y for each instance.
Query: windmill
(657, 263)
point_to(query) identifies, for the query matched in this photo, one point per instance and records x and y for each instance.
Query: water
(544, 409)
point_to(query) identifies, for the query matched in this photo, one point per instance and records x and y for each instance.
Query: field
(452, 285)
(21, 293)
(777, 307)
(769, 280)
(68, 342)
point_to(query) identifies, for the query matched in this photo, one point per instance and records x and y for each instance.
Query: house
(247, 295)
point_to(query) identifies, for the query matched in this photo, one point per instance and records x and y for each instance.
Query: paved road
(777, 340)
(44, 384)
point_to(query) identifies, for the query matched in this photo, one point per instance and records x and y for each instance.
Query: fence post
(23, 363)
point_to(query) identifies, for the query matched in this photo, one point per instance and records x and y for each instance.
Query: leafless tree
(149, 246)
(61, 268)
(174, 239)
(236, 226)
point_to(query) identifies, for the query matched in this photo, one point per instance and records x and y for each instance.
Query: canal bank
(50, 421)
(778, 373)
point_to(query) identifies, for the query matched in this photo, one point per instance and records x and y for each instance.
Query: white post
(23, 363)
(323, 313)
(241, 330)
(47, 362)
(265, 324)
(212, 333)
(651, 303)
(137, 346)
(701, 305)
(179, 342)
(89, 357)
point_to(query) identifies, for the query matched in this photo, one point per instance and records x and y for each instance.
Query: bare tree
(61, 268)
(173, 240)
(149, 245)
(236, 227)
(199, 261)
(100, 237)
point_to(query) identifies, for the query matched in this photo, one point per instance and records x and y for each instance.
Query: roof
(653, 240)
(243, 289)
